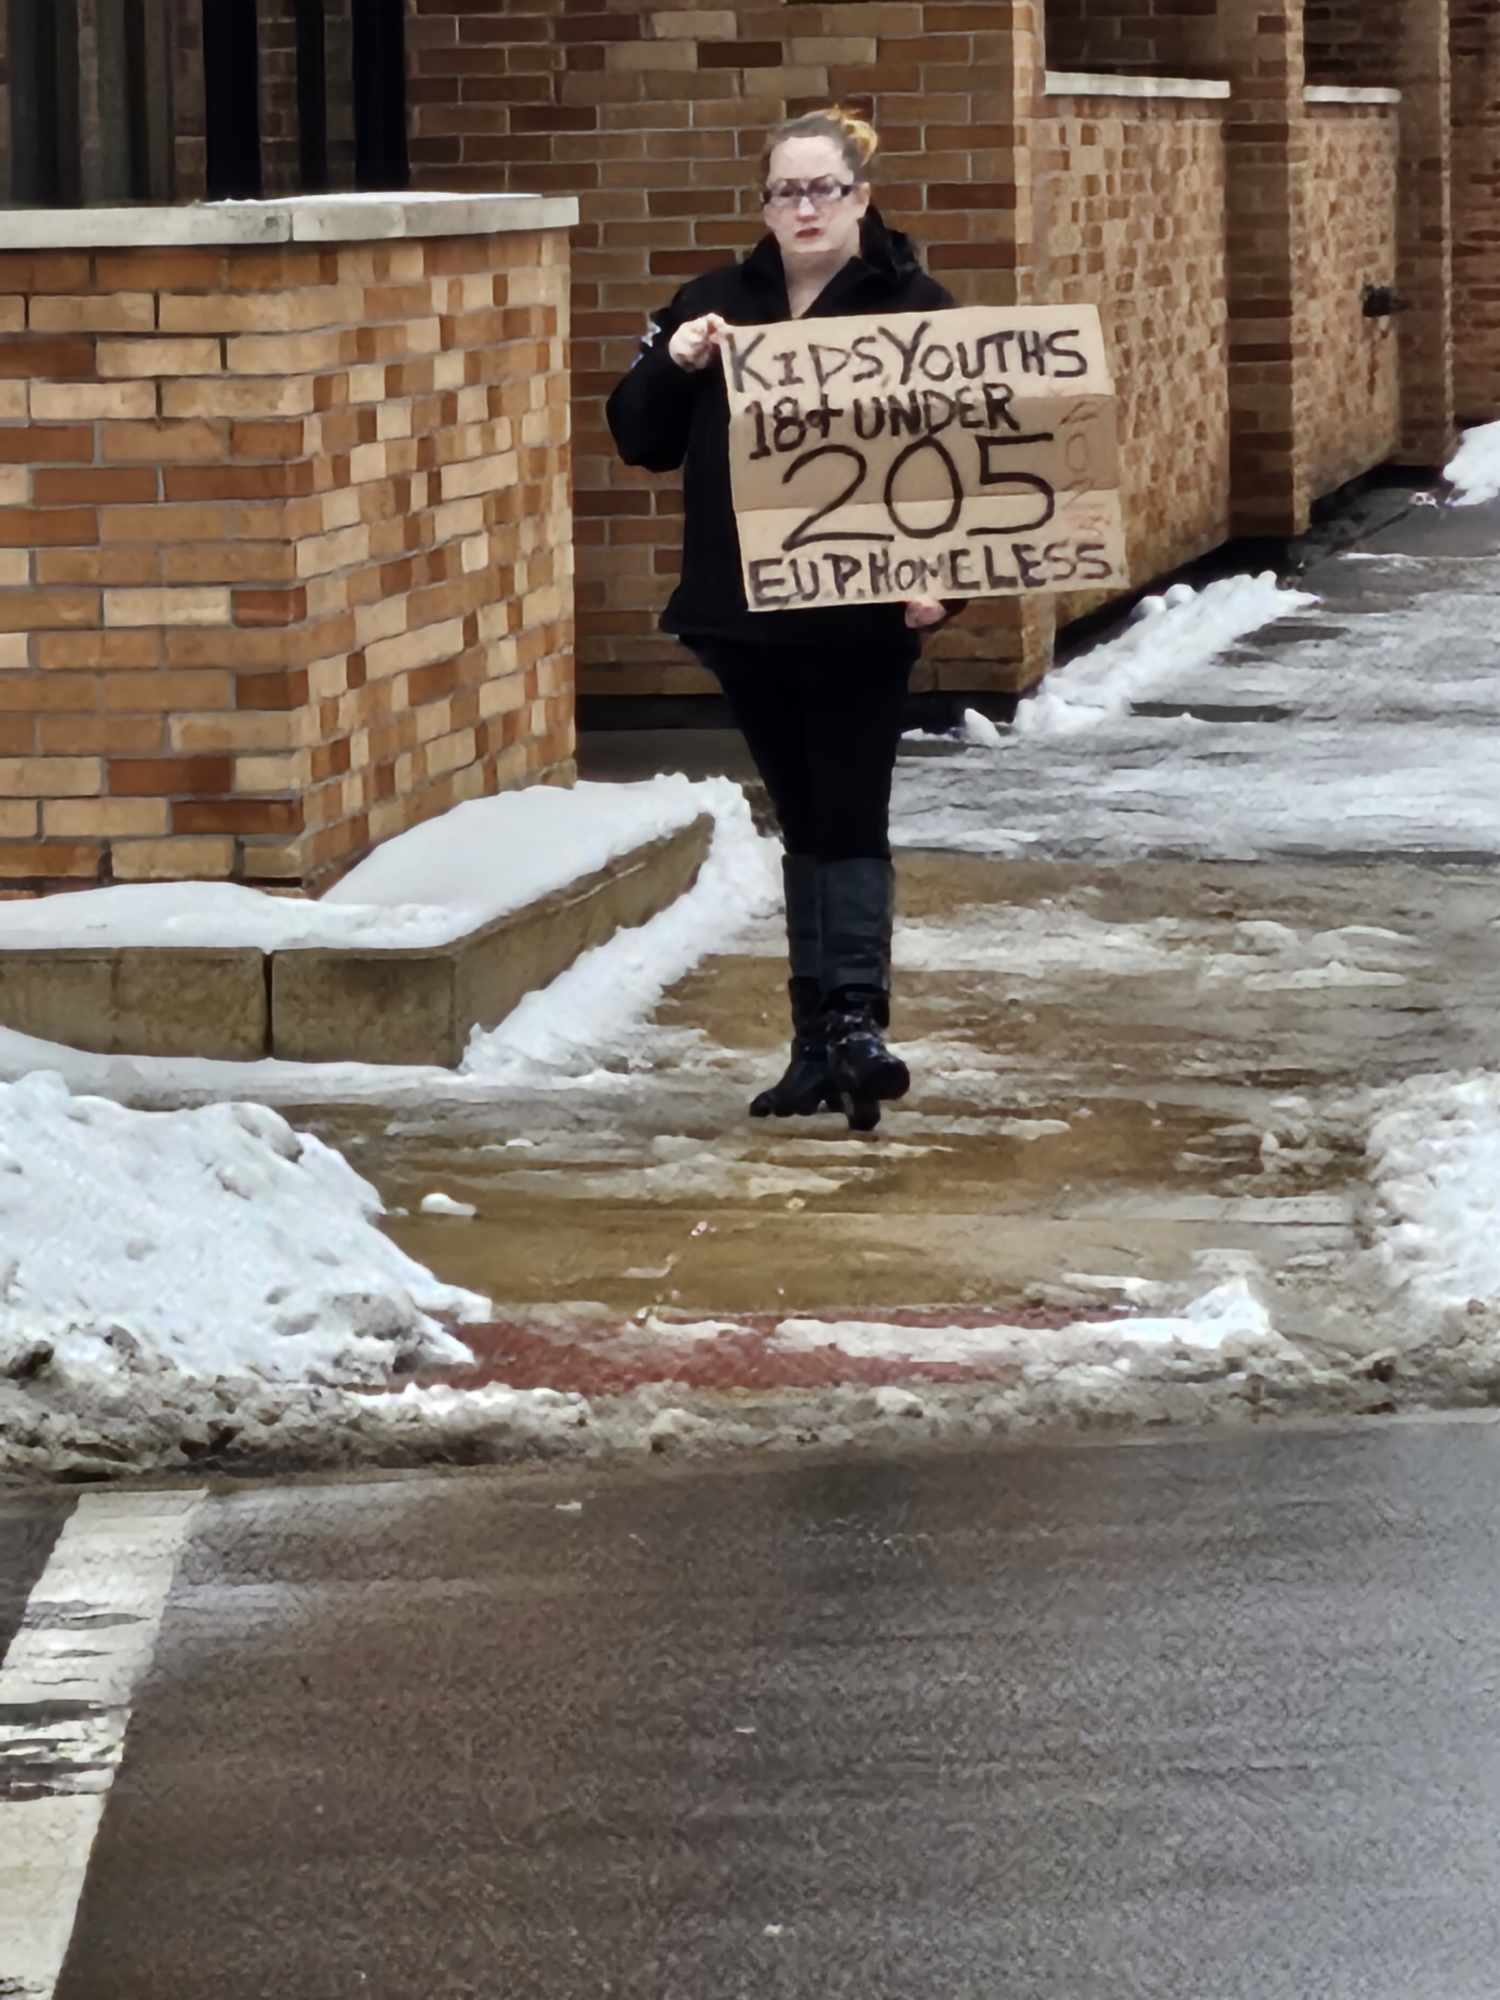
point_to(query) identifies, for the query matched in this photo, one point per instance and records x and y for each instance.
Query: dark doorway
(381, 159)
(231, 76)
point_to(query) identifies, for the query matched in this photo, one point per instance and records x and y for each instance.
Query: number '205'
(991, 475)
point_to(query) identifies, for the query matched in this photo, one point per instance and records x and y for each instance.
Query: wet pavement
(1197, 1718)
(1148, 979)
(1095, 1115)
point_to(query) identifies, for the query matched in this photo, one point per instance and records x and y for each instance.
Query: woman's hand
(696, 342)
(922, 613)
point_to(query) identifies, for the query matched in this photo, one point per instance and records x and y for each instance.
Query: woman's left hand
(922, 613)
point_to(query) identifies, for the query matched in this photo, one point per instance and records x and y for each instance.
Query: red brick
(169, 777)
(243, 816)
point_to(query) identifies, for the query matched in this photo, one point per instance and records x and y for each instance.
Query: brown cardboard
(971, 453)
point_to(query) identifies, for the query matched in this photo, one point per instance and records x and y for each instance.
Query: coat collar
(886, 257)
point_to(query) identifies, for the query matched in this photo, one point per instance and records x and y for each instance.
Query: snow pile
(1435, 1163)
(206, 1244)
(567, 1029)
(1171, 636)
(440, 880)
(1475, 472)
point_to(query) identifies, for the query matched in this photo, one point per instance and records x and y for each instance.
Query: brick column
(1269, 276)
(1427, 243)
(285, 543)
(1001, 645)
(1476, 196)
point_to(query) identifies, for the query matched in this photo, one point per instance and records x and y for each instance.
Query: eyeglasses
(822, 193)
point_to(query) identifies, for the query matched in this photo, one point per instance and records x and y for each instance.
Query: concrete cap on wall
(322, 218)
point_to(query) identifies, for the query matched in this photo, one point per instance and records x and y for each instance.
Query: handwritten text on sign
(970, 453)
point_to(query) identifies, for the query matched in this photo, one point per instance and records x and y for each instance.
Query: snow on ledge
(323, 218)
(426, 887)
(1098, 83)
(1338, 93)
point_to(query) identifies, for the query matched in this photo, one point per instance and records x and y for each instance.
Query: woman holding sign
(819, 692)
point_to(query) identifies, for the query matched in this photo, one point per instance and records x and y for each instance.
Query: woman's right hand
(696, 342)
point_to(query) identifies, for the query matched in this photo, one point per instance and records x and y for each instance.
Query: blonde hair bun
(860, 134)
(853, 134)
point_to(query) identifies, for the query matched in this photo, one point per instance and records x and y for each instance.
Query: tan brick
(84, 402)
(104, 819)
(115, 568)
(163, 443)
(285, 773)
(99, 735)
(164, 692)
(99, 312)
(241, 397)
(330, 552)
(288, 354)
(681, 24)
(15, 485)
(166, 607)
(187, 858)
(15, 652)
(667, 55)
(848, 49)
(51, 777)
(156, 359)
(19, 819)
(414, 649)
(12, 315)
(259, 729)
(76, 652)
(15, 402)
(15, 567)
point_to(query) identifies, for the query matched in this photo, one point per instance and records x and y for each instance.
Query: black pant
(823, 731)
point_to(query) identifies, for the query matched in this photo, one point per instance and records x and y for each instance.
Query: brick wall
(1130, 215)
(653, 117)
(285, 551)
(1147, 37)
(1353, 419)
(1352, 43)
(1476, 198)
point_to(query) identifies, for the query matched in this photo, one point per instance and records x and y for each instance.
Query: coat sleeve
(650, 411)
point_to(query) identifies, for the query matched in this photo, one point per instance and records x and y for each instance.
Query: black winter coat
(663, 417)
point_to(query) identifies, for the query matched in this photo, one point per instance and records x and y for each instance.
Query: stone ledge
(117, 1001)
(324, 218)
(1099, 83)
(1338, 93)
(327, 1005)
(420, 1007)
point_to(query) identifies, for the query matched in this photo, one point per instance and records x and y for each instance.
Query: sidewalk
(1152, 976)
(1197, 971)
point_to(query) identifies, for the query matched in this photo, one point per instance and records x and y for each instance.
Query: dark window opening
(312, 96)
(381, 159)
(46, 169)
(231, 77)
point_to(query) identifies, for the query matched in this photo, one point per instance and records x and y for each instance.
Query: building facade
(1288, 210)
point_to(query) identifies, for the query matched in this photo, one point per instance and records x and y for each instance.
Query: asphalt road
(1197, 1718)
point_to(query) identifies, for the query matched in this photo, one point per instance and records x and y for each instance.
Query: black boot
(858, 904)
(862, 1069)
(805, 1088)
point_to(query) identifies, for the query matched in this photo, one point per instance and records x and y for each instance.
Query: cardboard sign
(966, 453)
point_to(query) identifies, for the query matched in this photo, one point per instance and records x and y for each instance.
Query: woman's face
(816, 231)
